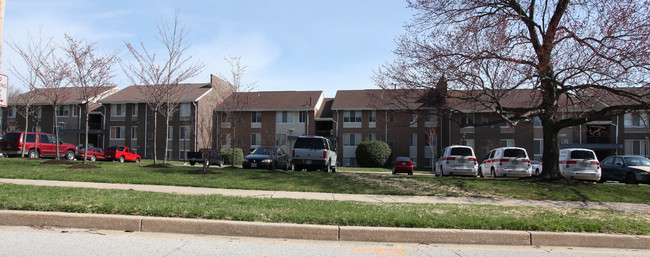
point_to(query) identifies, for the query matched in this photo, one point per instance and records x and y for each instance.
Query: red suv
(35, 145)
(121, 154)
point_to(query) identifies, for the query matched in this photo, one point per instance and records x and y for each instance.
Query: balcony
(598, 140)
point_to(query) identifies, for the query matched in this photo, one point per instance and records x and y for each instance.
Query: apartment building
(273, 118)
(70, 114)
(129, 120)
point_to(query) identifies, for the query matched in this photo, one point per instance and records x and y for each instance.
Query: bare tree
(237, 101)
(91, 73)
(35, 53)
(160, 78)
(578, 61)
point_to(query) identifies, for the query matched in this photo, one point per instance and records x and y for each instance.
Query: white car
(457, 160)
(506, 161)
(579, 163)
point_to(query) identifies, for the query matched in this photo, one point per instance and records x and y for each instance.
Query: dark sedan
(628, 169)
(266, 158)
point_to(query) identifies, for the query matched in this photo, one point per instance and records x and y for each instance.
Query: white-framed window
(186, 110)
(256, 117)
(182, 154)
(537, 122)
(118, 110)
(467, 142)
(169, 154)
(11, 112)
(505, 124)
(75, 110)
(63, 111)
(134, 132)
(349, 161)
(636, 147)
(467, 120)
(134, 110)
(372, 117)
(430, 120)
(413, 122)
(372, 137)
(302, 116)
(117, 132)
(507, 142)
(538, 146)
(413, 140)
(256, 140)
(225, 140)
(351, 139)
(284, 117)
(351, 116)
(636, 120)
(184, 133)
(170, 133)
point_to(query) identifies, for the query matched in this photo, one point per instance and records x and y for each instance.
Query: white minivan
(506, 161)
(579, 163)
(457, 160)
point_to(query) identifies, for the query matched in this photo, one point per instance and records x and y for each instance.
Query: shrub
(372, 154)
(226, 153)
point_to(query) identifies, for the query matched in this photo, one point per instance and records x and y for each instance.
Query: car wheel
(122, 158)
(394, 172)
(93, 158)
(335, 167)
(137, 160)
(328, 167)
(410, 172)
(192, 163)
(630, 179)
(493, 174)
(297, 167)
(442, 172)
(69, 155)
(480, 173)
(32, 154)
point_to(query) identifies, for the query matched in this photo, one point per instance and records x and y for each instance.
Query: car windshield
(11, 137)
(310, 143)
(461, 151)
(637, 161)
(517, 153)
(584, 155)
(263, 151)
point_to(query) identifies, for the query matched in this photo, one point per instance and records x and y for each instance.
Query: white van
(578, 163)
(506, 161)
(457, 160)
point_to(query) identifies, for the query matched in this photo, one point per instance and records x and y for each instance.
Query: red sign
(4, 86)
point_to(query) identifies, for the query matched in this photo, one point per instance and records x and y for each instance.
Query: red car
(94, 154)
(36, 145)
(121, 153)
(403, 165)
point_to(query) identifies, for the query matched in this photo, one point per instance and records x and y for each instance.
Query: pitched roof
(273, 101)
(72, 95)
(135, 94)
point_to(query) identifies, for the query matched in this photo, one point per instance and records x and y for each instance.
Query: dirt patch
(84, 166)
(159, 165)
(57, 162)
(202, 172)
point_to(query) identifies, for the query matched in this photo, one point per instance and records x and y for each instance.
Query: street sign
(4, 86)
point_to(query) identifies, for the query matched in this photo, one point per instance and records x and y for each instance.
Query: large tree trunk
(551, 168)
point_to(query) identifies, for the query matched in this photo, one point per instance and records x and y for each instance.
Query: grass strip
(345, 213)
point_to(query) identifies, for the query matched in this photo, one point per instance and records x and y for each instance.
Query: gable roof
(273, 101)
(135, 94)
(73, 94)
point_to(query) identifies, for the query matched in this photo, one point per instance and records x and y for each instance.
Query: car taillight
(501, 161)
(324, 153)
(526, 160)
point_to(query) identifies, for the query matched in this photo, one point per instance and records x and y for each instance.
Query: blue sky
(323, 45)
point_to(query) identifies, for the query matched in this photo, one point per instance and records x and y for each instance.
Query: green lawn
(345, 213)
(353, 183)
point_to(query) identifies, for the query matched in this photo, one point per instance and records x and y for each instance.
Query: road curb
(319, 232)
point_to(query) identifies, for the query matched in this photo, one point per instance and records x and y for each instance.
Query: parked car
(94, 154)
(506, 161)
(403, 165)
(211, 157)
(314, 152)
(35, 144)
(536, 166)
(457, 160)
(627, 169)
(266, 157)
(579, 163)
(121, 154)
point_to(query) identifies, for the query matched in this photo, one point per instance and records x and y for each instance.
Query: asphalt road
(29, 241)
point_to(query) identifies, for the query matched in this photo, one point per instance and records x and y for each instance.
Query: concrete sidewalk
(321, 232)
(642, 208)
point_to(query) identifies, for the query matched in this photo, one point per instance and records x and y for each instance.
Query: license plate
(307, 161)
(584, 164)
(253, 165)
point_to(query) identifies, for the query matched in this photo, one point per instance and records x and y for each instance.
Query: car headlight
(266, 161)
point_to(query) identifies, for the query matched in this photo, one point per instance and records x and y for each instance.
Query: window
(302, 116)
(467, 120)
(430, 120)
(351, 139)
(12, 112)
(63, 111)
(284, 117)
(256, 117)
(225, 139)
(169, 154)
(636, 147)
(186, 110)
(182, 154)
(507, 142)
(170, 133)
(637, 120)
(117, 132)
(75, 110)
(134, 110)
(372, 137)
(538, 147)
(184, 133)
(118, 110)
(352, 116)
(537, 122)
(391, 117)
(134, 133)
(39, 111)
(256, 139)
(413, 140)
(413, 122)
(467, 142)
(505, 124)
(373, 116)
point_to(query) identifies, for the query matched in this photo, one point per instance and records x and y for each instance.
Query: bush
(226, 153)
(372, 154)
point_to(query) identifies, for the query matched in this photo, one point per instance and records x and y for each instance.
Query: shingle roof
(72, 94)
(273, 101)
(135, 94)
